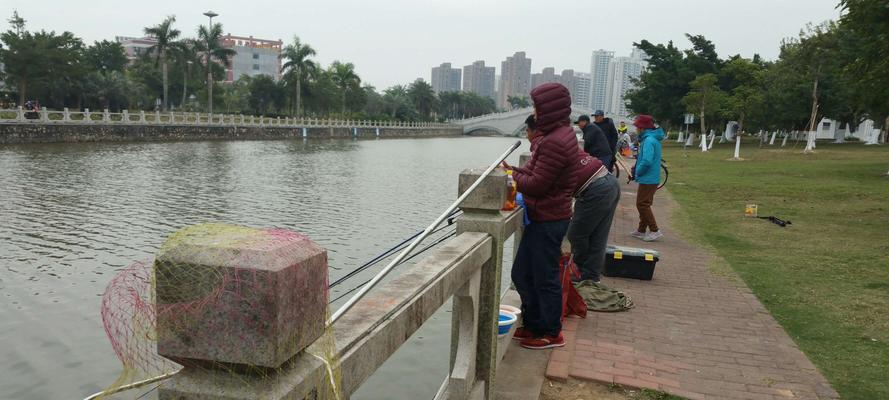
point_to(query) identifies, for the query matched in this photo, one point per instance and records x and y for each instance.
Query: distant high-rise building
(621, 73)
(479, 79)
(566, 78)
(599, 78)
(253, 57)
(445, 78)
(581, 96)
(515, 78)
(548, 75)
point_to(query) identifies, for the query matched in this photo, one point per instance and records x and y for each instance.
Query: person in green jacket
(647, 172)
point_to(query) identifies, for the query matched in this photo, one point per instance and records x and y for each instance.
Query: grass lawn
(825, 278)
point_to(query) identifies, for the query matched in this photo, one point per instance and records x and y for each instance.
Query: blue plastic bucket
(506, 321)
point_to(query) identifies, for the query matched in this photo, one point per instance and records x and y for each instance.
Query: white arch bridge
(508, 123)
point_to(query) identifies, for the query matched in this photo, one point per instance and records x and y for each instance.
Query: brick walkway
(693, 333)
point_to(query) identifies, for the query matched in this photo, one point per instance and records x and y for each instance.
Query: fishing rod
(402, 257)
(426, 232)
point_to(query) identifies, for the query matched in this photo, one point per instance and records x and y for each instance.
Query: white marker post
(810, 142)
(703, 143)
(737, 146)
(772, 142)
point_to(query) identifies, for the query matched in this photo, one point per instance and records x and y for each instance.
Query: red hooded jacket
(558, 166)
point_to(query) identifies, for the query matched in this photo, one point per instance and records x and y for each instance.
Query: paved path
(693, 333)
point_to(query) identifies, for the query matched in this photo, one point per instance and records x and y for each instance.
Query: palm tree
(298, 67)
(186, 55)
(345, 78)
(518, 101)
(165, 36)
(208, 42)
(423, 97)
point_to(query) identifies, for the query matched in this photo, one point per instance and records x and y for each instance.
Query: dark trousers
(644, 200)
(588, 232)
(535, 273)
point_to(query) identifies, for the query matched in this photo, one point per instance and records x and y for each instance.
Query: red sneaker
(522, 334)
(545, 342)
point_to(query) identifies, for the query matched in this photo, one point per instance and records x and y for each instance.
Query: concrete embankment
(22, 133)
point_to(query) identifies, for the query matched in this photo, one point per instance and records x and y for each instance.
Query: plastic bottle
(511, 191)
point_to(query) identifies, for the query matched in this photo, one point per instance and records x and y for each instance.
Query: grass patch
(825, 278)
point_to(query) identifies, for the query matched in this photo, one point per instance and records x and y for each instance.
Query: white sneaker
(653, 236)
(638, 235)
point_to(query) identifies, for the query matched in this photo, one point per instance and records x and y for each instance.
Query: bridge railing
(466, 269)
(65, 116)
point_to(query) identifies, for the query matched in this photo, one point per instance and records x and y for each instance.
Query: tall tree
(661, 87)
(747, 93)
(346, 80)
(866, 21)
(166, 36)
(46, 63)
(398, 103)
(105, 56)
(208, 42)
(705, 97)
(298, 68)
(423, 97)
(187, 62)
(265, 95)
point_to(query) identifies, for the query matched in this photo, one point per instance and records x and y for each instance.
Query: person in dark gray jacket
(595, 143)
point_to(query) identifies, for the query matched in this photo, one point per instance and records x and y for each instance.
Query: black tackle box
(630, 262)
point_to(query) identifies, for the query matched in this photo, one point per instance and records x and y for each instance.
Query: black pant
(588, 232)
(535, 273)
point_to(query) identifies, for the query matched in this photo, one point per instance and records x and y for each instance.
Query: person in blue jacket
(647, 172)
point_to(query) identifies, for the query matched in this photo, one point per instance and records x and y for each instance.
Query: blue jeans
(535, 273)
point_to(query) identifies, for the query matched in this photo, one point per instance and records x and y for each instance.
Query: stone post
(126, 116)
(106, 117)
(20, 114)
(44, 115)
(66, 115)
(214, 282)
(482, 213)
(86, 115)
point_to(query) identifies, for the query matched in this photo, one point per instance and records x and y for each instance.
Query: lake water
(72, 215)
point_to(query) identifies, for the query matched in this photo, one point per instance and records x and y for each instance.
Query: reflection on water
(73, 214)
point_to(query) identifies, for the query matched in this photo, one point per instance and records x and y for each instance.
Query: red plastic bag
(572, 302)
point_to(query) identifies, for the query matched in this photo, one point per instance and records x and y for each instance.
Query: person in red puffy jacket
(548, 183)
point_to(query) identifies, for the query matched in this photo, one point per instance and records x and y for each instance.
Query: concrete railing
(466, 268)
(21, 116)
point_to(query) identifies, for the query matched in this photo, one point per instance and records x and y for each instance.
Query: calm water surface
(71, 215)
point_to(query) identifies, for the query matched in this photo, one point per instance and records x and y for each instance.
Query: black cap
(599, 113)
(582, 118)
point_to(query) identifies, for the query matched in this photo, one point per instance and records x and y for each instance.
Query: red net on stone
(236, 303)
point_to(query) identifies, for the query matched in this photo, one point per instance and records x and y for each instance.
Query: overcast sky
(397, 41)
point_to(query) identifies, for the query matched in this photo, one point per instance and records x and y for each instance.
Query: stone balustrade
(19, 115)
(466, 268)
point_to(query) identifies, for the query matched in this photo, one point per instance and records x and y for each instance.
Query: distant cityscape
(602, 88)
